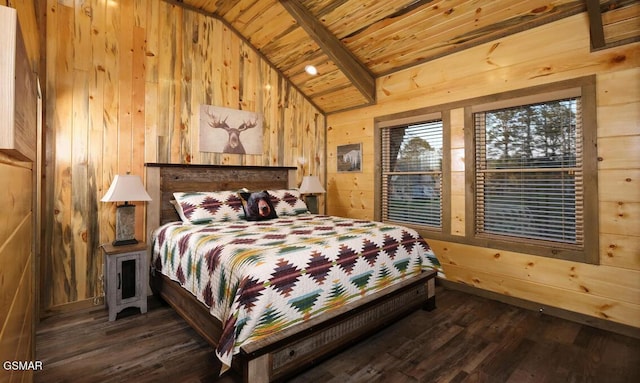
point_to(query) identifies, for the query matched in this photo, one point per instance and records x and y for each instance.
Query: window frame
(590, 251)
(585, 88)
(408, 118)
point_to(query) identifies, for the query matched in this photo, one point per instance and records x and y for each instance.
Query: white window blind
(529, 172)
(412, 173)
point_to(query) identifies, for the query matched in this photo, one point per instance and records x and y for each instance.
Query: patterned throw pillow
(287, 202)
(257, 206)
(205, 207)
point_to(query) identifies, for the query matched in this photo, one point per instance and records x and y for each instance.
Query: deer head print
(234, 143)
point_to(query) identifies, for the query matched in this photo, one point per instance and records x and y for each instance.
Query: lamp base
(312, 203)
(125, 225)
(124, 242)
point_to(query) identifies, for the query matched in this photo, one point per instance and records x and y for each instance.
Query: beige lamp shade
(311, 185)
(126, 188)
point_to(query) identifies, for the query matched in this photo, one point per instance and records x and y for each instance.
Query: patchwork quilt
(263, 276)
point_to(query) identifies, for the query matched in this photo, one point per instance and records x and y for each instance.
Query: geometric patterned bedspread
(259, 277)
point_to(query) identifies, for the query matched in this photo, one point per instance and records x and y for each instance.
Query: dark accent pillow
(257, 206)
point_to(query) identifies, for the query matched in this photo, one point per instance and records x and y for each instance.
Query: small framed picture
(349, 158)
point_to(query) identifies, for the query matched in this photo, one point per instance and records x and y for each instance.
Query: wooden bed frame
(290, 351)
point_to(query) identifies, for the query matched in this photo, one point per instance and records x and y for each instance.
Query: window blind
(529, 172)
(412, 173)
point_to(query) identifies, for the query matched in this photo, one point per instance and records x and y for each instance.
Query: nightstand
(125, 277)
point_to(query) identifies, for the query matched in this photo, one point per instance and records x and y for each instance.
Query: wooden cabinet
(18, 91)
(125, 277)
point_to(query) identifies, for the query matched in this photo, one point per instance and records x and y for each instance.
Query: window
(534, 171)
(529, 171)
(411, 173)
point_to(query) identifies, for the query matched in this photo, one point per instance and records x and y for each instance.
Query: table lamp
(310, 187)
(125, 188)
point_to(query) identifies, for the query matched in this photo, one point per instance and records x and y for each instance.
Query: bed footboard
(295, 349)
(290, 351)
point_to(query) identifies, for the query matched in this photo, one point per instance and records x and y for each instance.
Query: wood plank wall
(553, 52)
(125, 80)
(17, 339)
(17, 263)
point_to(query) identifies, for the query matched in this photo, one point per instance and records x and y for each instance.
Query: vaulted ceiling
(353, 42)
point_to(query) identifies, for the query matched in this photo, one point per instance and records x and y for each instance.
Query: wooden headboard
(162, 180)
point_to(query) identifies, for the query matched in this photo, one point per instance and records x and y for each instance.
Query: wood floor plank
(465, 339)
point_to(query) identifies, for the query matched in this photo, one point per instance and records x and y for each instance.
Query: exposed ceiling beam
(355, 71)
(595, 24)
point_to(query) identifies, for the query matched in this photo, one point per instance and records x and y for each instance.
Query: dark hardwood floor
(466, 339)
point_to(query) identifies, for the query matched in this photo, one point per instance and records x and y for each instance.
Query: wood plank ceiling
(353, 42)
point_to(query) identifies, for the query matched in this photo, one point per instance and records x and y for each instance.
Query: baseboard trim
(599, 323)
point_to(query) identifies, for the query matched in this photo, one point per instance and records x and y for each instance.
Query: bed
(316, 283)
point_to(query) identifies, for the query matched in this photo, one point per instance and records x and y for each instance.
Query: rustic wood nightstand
(125, 277)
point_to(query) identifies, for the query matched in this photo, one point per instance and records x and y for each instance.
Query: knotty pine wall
(124, 83)
(17, 258)
(549, 53)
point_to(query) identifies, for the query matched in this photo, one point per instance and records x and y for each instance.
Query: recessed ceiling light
(311, 70)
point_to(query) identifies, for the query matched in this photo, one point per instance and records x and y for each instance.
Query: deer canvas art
(224, 130)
